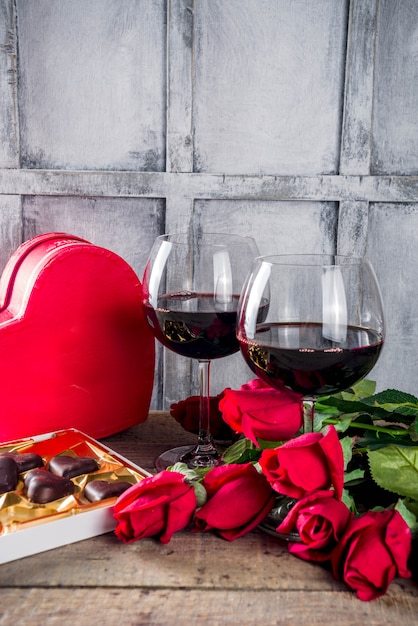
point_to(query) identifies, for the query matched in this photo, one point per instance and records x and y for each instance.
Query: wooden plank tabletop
(196, 578)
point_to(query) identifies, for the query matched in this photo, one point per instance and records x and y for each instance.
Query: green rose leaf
(364, 388)
(348, 500)
(353, 477)
(357, 406)
(379, 439)
(264, 444)
(182, 468)
(407, 514)
(200, 493)
(394, 397)
(240, 452)
(412, 505)
(347, 447)
(395, 468)
(346, 420)
(190, 474)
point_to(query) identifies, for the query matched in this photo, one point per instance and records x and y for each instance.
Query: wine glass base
(202, 456)
(270, 529)
(192, 456)
(281, 508)
(169, 457)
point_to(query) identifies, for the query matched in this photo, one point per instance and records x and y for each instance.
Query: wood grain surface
(196, 578)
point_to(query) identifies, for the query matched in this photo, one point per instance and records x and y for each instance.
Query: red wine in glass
(323, 328)
(314, 366)
(191, 288)
(204, 331)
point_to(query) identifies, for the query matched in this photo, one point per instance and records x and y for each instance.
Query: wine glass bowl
(322, 328)
(191, 286)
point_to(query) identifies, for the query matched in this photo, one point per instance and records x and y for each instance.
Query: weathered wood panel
(128, 226)
(352, 228)
(395, 119)
(392, 247)
(10, 227)
(180, 96)
(92, 84)
(169, 607)
(264, 101)
(9, 127)
(279, 227)
(358, 104)
(183, 188)
(133, 117)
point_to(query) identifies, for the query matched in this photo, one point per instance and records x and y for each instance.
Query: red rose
(320, 519)
(261, 412)
(239, 498)
(158, 506)
(186, 413)
(304, 464)
(372, 552)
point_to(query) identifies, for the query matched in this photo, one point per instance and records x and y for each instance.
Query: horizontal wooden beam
(211, 186)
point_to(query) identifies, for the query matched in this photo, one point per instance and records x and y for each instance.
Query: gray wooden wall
(292, 120)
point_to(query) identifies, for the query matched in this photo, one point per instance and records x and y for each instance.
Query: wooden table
(195, 579)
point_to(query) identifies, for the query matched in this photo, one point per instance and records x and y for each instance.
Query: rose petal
(239, 498)
(366, 560)
(156, 506)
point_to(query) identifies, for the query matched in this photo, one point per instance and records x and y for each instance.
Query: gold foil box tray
(27, 528)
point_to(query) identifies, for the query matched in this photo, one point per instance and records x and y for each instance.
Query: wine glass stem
(204, 454)
(204, 438)
(308, 415)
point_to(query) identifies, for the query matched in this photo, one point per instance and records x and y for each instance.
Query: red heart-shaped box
(75, 348)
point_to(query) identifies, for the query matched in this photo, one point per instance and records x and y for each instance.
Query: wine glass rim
(314, 259)
(182, 237)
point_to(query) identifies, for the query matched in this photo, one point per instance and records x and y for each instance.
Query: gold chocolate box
(27, 528)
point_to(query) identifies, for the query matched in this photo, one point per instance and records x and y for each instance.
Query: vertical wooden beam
(177, 370)
(10, 226)
(353, 228)
(10, 205)
(358, 96)
(9, 123)
(357, 121)
(179, 86)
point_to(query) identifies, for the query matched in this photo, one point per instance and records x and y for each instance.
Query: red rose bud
(261, 412)
(320, 520)
(304, 464)
(157, 506)
(372, 552)
(239, 498)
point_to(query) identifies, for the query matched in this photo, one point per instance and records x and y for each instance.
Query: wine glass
(323, 324)
(191, 286)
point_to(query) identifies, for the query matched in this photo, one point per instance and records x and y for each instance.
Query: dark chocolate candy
(101, 489)
(25, 460)
(70, 466)
(43, 486)
(9, 474)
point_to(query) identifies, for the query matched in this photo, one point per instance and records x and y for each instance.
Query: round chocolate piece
(97, 490)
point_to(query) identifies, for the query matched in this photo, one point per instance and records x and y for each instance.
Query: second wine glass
(323, 324)
(191, 285)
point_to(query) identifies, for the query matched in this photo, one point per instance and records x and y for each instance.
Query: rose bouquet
(345, 495)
